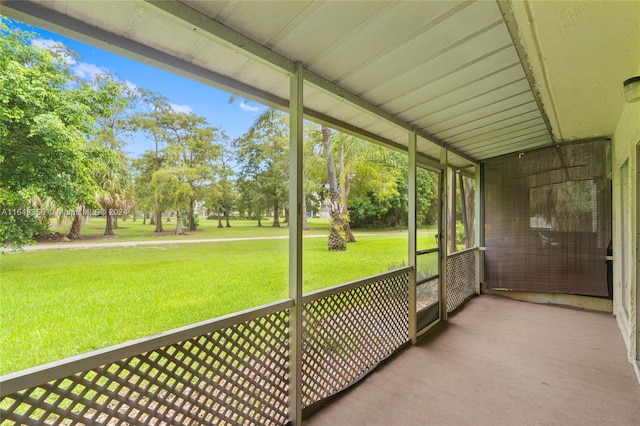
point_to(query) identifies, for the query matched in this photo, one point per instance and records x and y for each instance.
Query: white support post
(444, 239)
(412, 225)
(479, 226)
(295, 243)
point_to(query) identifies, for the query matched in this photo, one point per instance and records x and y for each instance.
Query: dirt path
(76, 245)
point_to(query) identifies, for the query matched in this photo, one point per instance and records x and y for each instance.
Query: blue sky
(184, 94)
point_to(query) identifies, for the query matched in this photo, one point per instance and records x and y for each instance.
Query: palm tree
(114, 193)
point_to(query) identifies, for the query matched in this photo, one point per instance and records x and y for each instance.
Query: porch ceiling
(449, 68)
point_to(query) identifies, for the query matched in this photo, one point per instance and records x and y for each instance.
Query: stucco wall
(625, 145)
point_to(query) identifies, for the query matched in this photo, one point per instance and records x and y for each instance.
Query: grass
(59, 303)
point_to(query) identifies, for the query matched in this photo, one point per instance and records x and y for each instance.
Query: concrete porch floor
(500, 362)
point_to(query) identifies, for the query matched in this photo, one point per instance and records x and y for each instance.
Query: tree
(337, 238)
(192, 151)
(151, 123)
(467, 198)
(172, 191)
(46, 117)
(222, 192)
(115, 186)
(184, 144)
(314, 172)
(113, 174)
(263, 159)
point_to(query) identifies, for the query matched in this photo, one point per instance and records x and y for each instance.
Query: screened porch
(523, 98)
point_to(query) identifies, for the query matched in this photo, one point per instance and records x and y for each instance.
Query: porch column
(412, 225)
(295, 243)
(444, 239)
(479, 228)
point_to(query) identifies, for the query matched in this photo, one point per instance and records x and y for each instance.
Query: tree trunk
(259, 220)
(345, 187)
(152, 219)
(305, 221)
(144, 218)
(463, 204)
(468, 210)
(345, 211)
(159, 222)
(276, 214)
(115, 221)
(337, 241)
(219, 219)
(74, 232)
(134, 214)
(179, 230)
(192, 222)
(451, 216)
(226, 218)
(108, 230)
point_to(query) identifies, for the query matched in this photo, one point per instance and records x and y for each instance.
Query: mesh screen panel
(548, 219)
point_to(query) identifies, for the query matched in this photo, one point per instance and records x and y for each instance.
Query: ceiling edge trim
(512, 27)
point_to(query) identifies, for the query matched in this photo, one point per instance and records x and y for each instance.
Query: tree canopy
(46, 118)
(63, 145)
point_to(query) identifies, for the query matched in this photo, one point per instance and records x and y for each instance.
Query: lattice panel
(462, 275)
(347, 334)
(238, 375)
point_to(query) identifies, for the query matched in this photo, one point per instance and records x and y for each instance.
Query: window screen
(548, 219)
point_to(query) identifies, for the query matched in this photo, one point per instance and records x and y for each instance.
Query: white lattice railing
(349, 329)
(462, 277)
(231, 370)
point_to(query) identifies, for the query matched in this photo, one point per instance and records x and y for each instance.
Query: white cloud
(246, 107)
(81, 70)
(186, 109)
(88, 71)
(130, 85)
(54, 47)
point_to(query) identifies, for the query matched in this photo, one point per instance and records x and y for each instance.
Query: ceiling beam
(224, 35)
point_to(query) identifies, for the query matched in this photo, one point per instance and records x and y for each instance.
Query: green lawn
(58, 303)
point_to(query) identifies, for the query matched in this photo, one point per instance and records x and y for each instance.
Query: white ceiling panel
(423, 116)
(498, 149)
(370, 44)
(498, 61)
(498, 128)
(449, 68)
(468, 128)
(471, 117)
(514, 133)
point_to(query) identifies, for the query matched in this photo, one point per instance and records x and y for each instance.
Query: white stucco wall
(625, 147)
